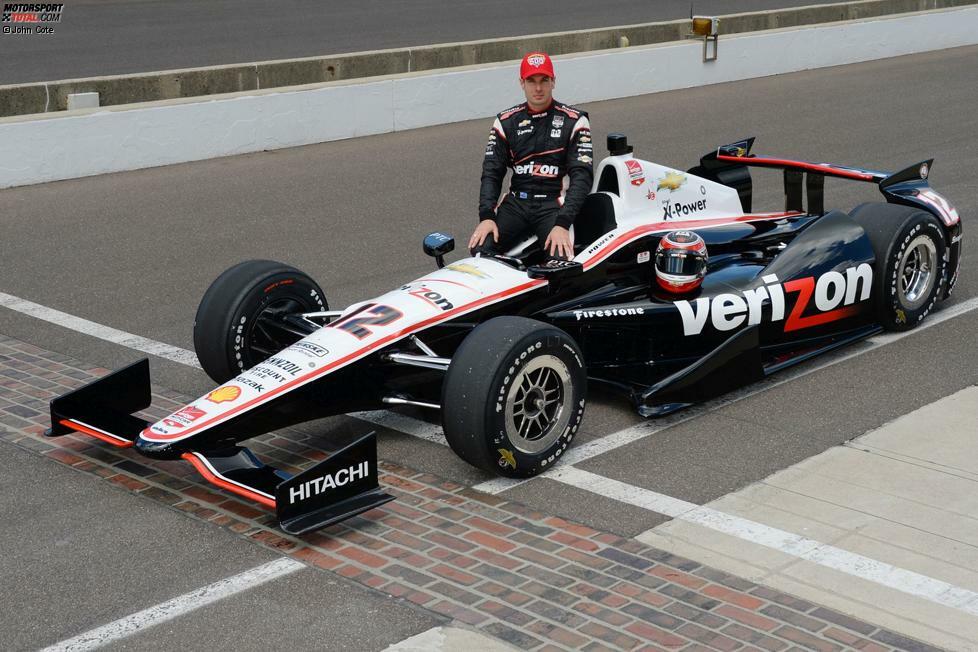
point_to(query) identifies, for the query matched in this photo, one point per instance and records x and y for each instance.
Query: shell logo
(224, 394)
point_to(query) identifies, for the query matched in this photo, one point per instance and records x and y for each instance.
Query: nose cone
(161, 450)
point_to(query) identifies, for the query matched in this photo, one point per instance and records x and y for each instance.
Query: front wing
(341, 486)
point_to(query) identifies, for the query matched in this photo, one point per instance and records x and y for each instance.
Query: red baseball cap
(536, 63)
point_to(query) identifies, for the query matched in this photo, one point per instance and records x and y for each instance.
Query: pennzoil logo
(224, 394)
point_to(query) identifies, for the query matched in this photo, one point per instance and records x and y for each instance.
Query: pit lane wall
(72, 144)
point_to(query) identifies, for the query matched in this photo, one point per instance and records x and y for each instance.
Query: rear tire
(514, 396)
(911, 262)
(235, 327)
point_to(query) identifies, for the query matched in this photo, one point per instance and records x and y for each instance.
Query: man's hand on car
(559, 243)
(479, 235)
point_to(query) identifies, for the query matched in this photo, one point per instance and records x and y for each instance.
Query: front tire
(911, 262)
(514, 396)
(237, 323)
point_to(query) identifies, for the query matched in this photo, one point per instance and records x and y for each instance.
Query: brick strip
(533, 580)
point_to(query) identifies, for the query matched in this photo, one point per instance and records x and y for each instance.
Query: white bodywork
(647, 191)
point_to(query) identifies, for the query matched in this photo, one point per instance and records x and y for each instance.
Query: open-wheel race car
(505, 346)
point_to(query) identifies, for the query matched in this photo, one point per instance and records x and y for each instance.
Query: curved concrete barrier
(83, 143)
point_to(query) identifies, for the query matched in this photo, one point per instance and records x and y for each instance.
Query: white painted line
(403, 423)
(102, 332)
(602, 445)
(132, 624)
(823, 554)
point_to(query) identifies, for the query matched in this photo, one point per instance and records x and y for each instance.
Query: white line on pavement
(403, 423)
(789, 543)
(102, 332)
(125, 627)
(602, 445)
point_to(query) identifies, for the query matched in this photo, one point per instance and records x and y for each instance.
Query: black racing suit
(544, 150)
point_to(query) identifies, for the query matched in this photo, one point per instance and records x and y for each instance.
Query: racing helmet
(680, 261)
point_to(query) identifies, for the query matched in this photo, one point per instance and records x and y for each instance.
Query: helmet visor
(680, 263)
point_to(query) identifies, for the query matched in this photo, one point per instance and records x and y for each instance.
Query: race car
(504, 347)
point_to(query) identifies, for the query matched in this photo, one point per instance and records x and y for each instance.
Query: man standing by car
(548, 146)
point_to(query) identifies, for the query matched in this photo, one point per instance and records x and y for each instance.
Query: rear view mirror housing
(437, 245)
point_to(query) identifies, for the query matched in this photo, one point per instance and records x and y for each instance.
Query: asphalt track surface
(108, 37)
(136, 250)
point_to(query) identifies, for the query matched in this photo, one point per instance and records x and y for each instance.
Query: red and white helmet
(680, 261)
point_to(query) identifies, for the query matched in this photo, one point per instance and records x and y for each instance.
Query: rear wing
(729, 165)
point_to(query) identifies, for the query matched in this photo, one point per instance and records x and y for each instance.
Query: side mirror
(437, 245)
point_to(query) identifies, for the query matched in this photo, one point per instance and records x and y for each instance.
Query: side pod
(735, 362)
(343, 485)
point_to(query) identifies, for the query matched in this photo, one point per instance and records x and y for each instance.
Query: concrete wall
(113, 90)
(82, 143)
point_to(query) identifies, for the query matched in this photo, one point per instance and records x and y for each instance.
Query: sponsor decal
(491, 145)
(833, 295)
(537, 170)
(679, 209)
(555, 133)
(901, 316)
(558, 121)
(466, 268)
(184, 417)
(948, 213)
(643, 257)
(506, 458)
(254, 384)
(310, 349)
(430, 296)
(555, 263)
(584, 139)
(600, 242)
(30, 17)
(317, 486)
(608, 312)
(536, 60)
(735, 149)
(672, 181)
(523, 123)
(190, 413)
(703, 190)
(635, 171)
(224, 394)
(528, 130)
(584, 158)
(650, 195)
(287, 366)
